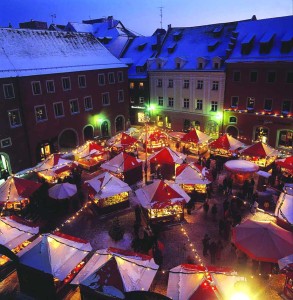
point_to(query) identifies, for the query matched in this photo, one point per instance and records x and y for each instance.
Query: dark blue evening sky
(142, 16)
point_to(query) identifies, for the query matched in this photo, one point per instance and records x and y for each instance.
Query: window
(285, 139)
(170, 101)
(253, 76)
(74, 107)
(66, 83)
(178, 65)
(250, 103)
(268, 104)
(131, 100)
(36, 86)
(289, 77)
(159, 83)
(58, 109)
(88, 103)
(14, 118)
(160, 101)
(101, 79)
(198, 104)
(232, 120)
(81, 81)
(186, 103)
(199, 85)
(141, 86)
(214, 105)
(236, 76)
(234, 101)
(286, 106)
(271, 77)
(141, 100)
(41, 113)
(8, 91)
(105, 99)
(200, 65)
(111, 78)
(50, 86)
(215, 85)
(261, 134)
(170, 83)
(120, 96)
(216, 65)
(131, 85)
(120, 76)
(186, 84)
(186, 124)
(6, 142)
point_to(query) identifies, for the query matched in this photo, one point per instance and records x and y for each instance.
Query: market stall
(284, 208)
(225, 146)
(112, 272)
(15, 193)
(196, 142)
(286, 165)
(90, 156)
(162, 201)
(286, 267)
(15, 235)
(261, 154)
(240, 170)
(125, 143)
(193, 178)
(154, 141)
(164, 162)
(188, 281)
(125, 167)
(49, 262)
(54, 168)
(108, 192)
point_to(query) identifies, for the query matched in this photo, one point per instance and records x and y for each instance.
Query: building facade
(259, 83)
(57, 90)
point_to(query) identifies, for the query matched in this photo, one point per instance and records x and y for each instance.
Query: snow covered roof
(27, 52)
(284, 208)
(191, 43)
(264, 40)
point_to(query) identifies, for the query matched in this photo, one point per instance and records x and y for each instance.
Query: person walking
(206, 207)
(214, 211)
(213, 251)
(205, 244)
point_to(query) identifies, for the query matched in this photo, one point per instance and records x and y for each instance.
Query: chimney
(169, 26)
(110, 22)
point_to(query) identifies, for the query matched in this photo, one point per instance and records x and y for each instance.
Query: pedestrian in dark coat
(214, 211)
(213, 251)
(206, 208)
(206, 244)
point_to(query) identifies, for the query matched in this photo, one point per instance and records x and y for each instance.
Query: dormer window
(287, 42)
(177, 35)
(218, 30)
(201, 63)
(141, 46)
(266, 43)
(213, 45)
(247, 43)
(171, 48)
(159, 66)
(160, 62)
(178, 65)
(217, 63)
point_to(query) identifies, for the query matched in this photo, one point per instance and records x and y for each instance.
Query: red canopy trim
(67, 167)
(211, 269)
(163, 157)
(130, 162)
(221, 143)
(56, 157)
(256, 150)
(157, 135)
(165, 193)
(286, 164)
(123, 252)
(191, 136)
(22, 221)
(24, 187)
(70, 237)
(194, 166)
(95, 146)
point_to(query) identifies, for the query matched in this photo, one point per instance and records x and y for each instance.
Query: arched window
(285, 138)
(105, 129)
(68, 139)
(186, 124)
(261, 134)
(195, 124)
(119, 124)
(232, 130)
(88, 133)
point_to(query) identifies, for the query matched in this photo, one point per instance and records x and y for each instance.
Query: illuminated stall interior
(90, 156)
(54, 168)
(154, 140)
(196, 141)
(15, 193)
(162, 201)
(108, 191)
(225, 146)
(124, 142)
(260, 154)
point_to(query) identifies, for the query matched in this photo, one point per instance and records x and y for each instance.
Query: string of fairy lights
(89, 202)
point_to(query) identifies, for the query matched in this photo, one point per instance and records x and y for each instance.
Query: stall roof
(226, 142)
(260, 149)
(192, 174)
(167, 156)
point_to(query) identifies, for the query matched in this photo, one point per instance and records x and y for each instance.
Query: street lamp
(146, 120)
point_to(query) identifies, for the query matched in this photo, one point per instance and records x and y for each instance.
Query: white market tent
(54, 255)
(62, 190)
(107, 185)
(192, 174)
(14, 234)
(136, 270)
(284, 206)
(189, 282)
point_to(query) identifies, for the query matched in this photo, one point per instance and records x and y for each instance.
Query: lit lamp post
(146, 120)
(220, 118)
